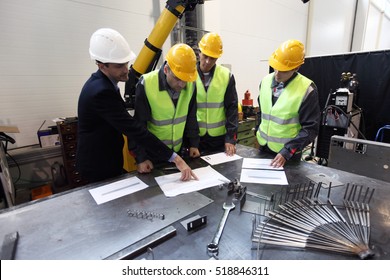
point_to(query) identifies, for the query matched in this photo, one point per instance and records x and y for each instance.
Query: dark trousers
(209, 144)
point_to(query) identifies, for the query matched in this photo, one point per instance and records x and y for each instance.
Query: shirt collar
(211, 72)
(115, 84)
(275, 83)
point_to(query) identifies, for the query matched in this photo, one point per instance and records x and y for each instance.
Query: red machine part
(247, 101)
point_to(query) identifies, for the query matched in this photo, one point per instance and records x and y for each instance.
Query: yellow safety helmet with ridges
(181, 60)
(211, 45)
(288, 56)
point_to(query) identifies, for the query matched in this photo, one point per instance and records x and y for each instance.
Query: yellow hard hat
(211, 45)
(288, 56)
(181, 60)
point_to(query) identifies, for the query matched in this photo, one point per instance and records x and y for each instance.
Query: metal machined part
(147, 215)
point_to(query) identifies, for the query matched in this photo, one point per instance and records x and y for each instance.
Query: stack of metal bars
(268, 204)
(306, 222)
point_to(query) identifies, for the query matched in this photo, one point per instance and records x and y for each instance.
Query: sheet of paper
(117, 189)
(218, 158)
(258, 163)
(261, 176)
(171, 184)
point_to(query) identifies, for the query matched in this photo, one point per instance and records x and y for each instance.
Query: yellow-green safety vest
(211, 113)
(280, 123)
(167, 121)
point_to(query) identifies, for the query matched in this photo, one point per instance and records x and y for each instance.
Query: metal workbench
(71, 225)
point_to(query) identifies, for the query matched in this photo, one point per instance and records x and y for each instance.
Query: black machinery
(340, 116)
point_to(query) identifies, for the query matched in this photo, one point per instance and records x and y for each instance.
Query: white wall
(44, 54)
(376, 33)
(330, 26)
(44, 44)
(384, 42)
(251, 30)
(372, 28)
(361, 16)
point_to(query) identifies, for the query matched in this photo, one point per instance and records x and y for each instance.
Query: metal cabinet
(245, 133)
(68, 137)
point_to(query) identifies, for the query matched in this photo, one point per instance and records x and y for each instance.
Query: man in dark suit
(103, 117)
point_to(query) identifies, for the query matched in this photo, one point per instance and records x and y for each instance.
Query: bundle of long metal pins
(308, 223)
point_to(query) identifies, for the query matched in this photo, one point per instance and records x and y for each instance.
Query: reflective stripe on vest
(280, 123)
(211, 113)
(167, 122)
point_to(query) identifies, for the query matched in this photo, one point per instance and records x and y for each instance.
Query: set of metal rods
(308, 223)
(297, 192)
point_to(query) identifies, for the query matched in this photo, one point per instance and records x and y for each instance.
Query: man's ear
(166, 69)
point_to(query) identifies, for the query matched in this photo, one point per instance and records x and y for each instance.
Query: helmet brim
(276, 65)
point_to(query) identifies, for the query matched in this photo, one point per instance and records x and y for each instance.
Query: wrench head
(227, 206)
(212, 249)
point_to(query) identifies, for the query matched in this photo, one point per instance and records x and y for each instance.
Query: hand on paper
(278, 161)
(186, 172)
(230, 149)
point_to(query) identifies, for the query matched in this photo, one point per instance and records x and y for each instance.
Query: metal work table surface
(71, 225)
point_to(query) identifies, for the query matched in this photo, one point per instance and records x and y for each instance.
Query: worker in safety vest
(217, 102)
(288, 105)
(165, 102)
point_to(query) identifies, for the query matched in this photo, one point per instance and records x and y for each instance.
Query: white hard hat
(108, 46)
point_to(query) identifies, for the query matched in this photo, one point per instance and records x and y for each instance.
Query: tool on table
(9, 246)
(237, 190)
(212, 248)
(306, 222)
(239, 193)
(147, 215)
(194, 223)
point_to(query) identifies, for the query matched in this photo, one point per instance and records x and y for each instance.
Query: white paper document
(218, 158)
(256, 170)
(171, 184)
(261, 176)
(259, 163)
(117, 189)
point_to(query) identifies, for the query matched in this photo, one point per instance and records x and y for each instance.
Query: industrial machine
(341, 98)
(149, 55)
(362, 157)
(340, 116)
(7, 190)
(346, 96)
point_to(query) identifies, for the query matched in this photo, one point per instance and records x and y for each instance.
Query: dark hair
(105, 64)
